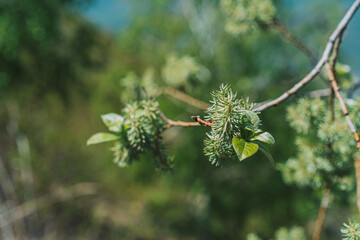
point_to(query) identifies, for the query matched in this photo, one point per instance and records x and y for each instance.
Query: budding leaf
(102, 137)
(254, 118)
(264, 137)
(113, 121)
(243, 148)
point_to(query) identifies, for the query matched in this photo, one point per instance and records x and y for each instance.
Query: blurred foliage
(326, 151)
(244, 16)
(294, 233)
(44, 47)
(49, 53)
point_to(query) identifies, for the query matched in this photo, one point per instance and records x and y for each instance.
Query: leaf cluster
(235, 131)
(136, 132)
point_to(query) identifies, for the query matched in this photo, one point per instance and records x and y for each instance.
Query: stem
(172, 92)
(332, 63)
(321, 215)
(315, 71)
(198, 122)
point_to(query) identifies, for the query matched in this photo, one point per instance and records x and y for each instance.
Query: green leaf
(254, 118)
(244, 149)
(102, 137)
(264, 137)
(113, 121)
(266, 152)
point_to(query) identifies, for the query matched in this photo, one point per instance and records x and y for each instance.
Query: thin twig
(342, 104)
(315, 71)
(172, 92)
(332, 60)
(202, 122)
(321, 215)
(294, 40)
(171, 123)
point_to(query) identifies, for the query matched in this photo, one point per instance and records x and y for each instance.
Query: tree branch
(325, 56)
(342, 104)
(321, 215)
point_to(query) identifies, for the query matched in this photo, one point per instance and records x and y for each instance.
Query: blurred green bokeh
(59, 72)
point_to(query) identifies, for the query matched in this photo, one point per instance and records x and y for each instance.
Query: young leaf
(266, 152)
(254, 118)
(102, 137)
(113, 121)
(264, 137)
(244, 149)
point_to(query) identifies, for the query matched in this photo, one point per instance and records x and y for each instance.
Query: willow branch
(344, 109)
(321, 215)
(172, 92)
(324, 58)
(332, 64)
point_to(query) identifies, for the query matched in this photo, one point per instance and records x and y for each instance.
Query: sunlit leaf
(244, 149)
(102, 137)
(113, 121)
(264, 137)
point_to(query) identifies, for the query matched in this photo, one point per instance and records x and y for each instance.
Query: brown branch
(172, 92)
(350, 124)
(357, 174)
(324, 58)
(321, 215)
(202, 122)
(170, 123)
(294, 40)
(342, 104)
(332, 64)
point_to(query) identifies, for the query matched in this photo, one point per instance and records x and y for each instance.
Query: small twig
(315, 71)
(321, 215)
(332, 60)
(294, 40)
(172, 92)
(202, 122)
(342, 104)
(171, 123)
